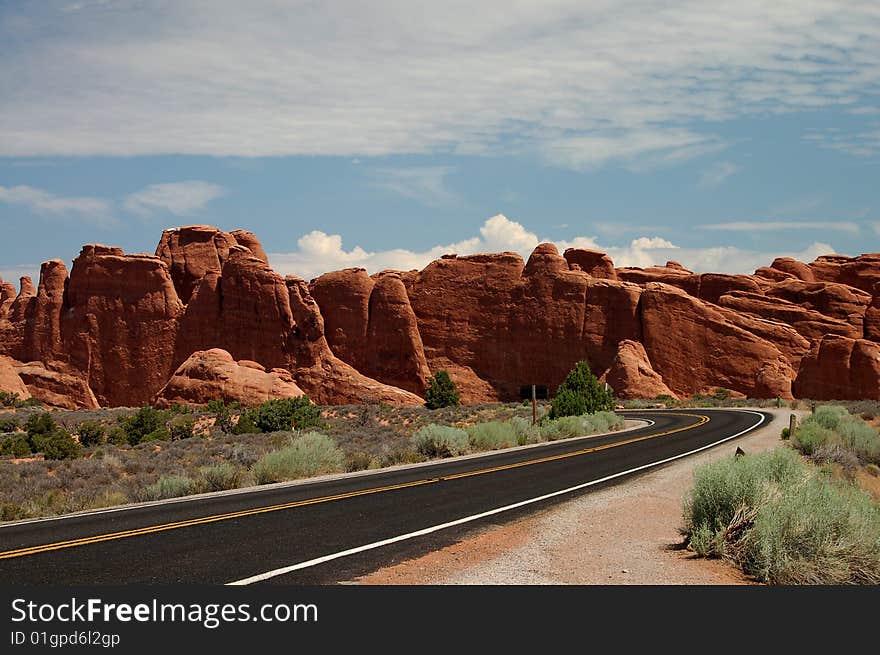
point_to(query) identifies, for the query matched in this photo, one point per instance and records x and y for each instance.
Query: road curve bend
(327, 530)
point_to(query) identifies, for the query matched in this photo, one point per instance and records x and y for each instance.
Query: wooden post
(534, 406)
(792, 425)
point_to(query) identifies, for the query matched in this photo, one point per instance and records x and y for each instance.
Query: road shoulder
(624, 534)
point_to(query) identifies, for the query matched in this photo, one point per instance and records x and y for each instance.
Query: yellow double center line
(124, 534)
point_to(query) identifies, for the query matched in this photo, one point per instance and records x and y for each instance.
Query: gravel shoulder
(623, 534)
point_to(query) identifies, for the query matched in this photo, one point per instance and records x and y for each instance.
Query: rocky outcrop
(10, 382)
(58, 385)
(631, 374)
(839, 368)
(120, 323)
(592, 262)
(809, 323)
(694, 348)
(213, 374)
(122, 328)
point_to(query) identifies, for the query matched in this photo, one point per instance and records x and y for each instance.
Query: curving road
(328, 530)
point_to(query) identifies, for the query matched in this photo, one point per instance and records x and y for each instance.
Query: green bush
(310, 454)
(829, 416)
(219, 477)
(90, 433)
(58, 444)
(603, 421)
(810, 436)
(824, 533)
(441, 391)
(245, 425)
(860, 438)
(181, 427)
(9, 424)
(435, 440)
(117, 436)
(564, 427)
(492, 435)
(285, 414)
(723, 487)
(40, 424)
(568, 402)
(146, 422)
(16, 445)
(524, 430)
(580, 384)
(9, 399)
(159, 434)
(169, 486)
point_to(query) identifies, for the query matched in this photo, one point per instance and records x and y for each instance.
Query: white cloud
(717, 173)
(178, 198)
(319, 252)
(779, 226)
(426, 184)
(864, 143)
(91, 210)
(628, 82)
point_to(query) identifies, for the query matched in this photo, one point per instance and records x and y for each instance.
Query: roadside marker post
(792, 425)
(534, 406)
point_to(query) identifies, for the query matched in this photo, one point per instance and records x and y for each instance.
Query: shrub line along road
(332, 530)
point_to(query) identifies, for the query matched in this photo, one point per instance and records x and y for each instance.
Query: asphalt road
(326, 531)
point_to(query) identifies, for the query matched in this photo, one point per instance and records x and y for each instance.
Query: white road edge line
(306, 481)
(475, 517)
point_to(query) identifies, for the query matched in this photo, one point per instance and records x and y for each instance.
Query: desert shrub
(117, 436)
(603, 421)
(491, 436)
(181, 427)
(285, 414)
(15, 445)
(309, 454)
(9, 399)
(159, 434)
(786, 434)
(40, 424)
(810, 436)
(9, 424)
(58, 444)
(861, 439)
(829, 416)
(180, 408)
(245, 425)
(838, 454)
(359, 461)
(90, 433)
(724, 487)
(435, 440)
(441, 391)
(146, 421)
(580, 384)
(219, 477)
(169, 486)
(824, 533)
(524, 431)
(564, 427)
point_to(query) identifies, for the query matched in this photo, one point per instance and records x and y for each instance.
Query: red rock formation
(861, 272)
(58, 385)
(838, 368)
(250, 241)
(674, 275)
(121, 323)
(834, 300)
(714, 285)
(793, 268)
(872, 316)
(192, 252)
(631, 374)
(213, 374)
(809, 323)
(10, 382)
(694, 347)
(592, 262)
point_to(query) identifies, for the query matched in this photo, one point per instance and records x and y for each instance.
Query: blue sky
(720, 136)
